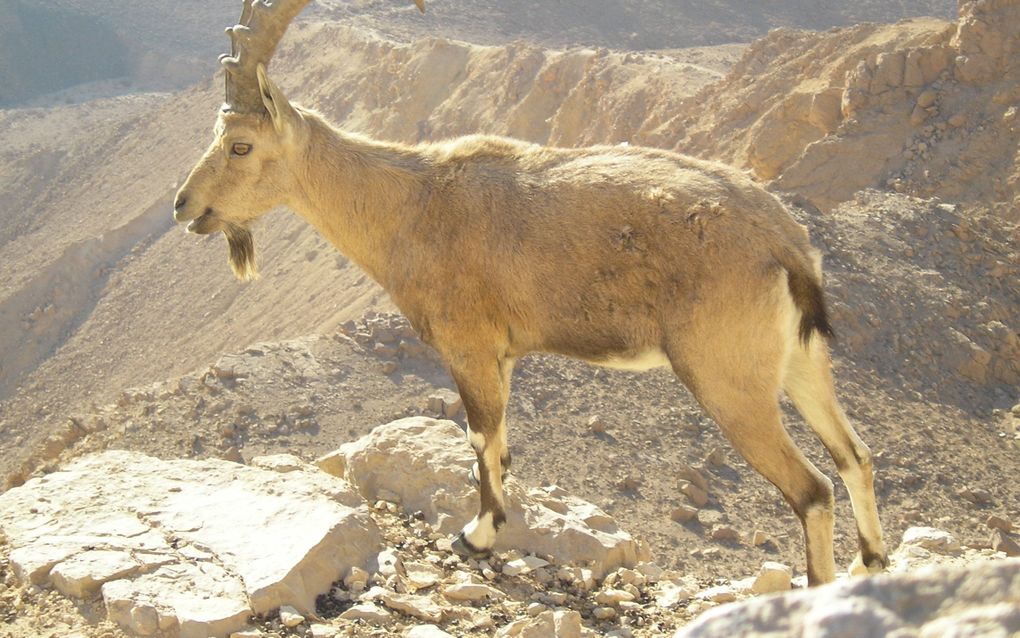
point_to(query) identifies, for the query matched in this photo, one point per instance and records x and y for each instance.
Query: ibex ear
(280, 110)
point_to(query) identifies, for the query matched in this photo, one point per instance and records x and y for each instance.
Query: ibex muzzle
(494, 248)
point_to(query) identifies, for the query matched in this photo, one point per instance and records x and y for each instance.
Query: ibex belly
(637, 362)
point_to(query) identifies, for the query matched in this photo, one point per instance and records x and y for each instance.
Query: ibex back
(494, 248)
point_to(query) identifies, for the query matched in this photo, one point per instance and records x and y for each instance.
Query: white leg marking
(476, 439)
(480, 532)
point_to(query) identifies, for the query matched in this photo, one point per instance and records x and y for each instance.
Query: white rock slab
(976, 600)
(187, 547)
(425, 463)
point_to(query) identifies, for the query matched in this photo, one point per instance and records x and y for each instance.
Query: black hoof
(877, 563)
(462, 547)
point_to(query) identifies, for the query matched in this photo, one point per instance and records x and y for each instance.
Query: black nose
(180, 202)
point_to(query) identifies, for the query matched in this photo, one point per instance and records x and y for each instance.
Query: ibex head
(249, 168)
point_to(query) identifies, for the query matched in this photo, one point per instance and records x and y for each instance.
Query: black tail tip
(808, 297)
(810, 325)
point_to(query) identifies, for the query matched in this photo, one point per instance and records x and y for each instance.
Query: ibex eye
(240, 148)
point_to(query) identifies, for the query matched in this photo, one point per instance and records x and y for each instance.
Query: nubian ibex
(494, 248)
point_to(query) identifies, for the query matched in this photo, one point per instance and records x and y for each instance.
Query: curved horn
(252, 42)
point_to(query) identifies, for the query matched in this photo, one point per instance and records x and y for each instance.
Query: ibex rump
(494, 248)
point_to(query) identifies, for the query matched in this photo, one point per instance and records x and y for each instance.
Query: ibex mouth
(205, 223)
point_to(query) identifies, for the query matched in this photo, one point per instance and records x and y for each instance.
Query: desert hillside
(897, 145)
(923, 107)
(122, 46)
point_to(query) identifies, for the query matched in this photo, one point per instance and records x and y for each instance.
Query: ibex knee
(817, 500)
(863, 455)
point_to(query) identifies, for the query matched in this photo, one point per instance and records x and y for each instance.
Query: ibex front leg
(484, 384)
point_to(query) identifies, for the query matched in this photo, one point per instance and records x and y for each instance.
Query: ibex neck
(360, 194)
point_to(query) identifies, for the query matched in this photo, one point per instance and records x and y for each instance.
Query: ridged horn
(252, 42)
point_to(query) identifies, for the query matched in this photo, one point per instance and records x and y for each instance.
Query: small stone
(958, 120)
(628, 607)
(629, 484)
(613, 596)
(683, 513)
(978, 496)
(445, 403)
(567, 624)
(697, 496)
(367, 612)
(557, 598)
(1000, 542)
(418, 606)
(918, 116)
(772, 577)
(696, 607)
(421, 575)
(319, 630)
(596, 425)
(716, 457)
(247, 633)
(670, 595)
(631, 577)
(724, 533)
(535, 609)
(932, 539)
(694, 476)
(232, 454)
(604, 613)
(383, 350)
(650, 571)
(471, 591)
(513, 629)
(926, 99)
(523, 565)
(481, 621)
(427, 631)
(999, 523)
(389, 563)
(710, 518)
(759, 538)
(290, 617)
(718, 594)
(357, 576)
(388, 367)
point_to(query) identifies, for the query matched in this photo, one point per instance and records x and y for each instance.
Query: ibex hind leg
(731, 357)
(809, 385)
(752, 423)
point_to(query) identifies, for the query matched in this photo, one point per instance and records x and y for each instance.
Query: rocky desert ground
(127, 349)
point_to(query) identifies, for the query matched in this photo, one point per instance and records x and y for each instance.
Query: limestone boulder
(976, 599)
(189, 548)
(423, 464)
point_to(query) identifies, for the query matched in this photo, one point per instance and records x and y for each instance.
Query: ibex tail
(806, 290)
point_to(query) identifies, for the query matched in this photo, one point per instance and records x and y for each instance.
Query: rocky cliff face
(925, 107)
